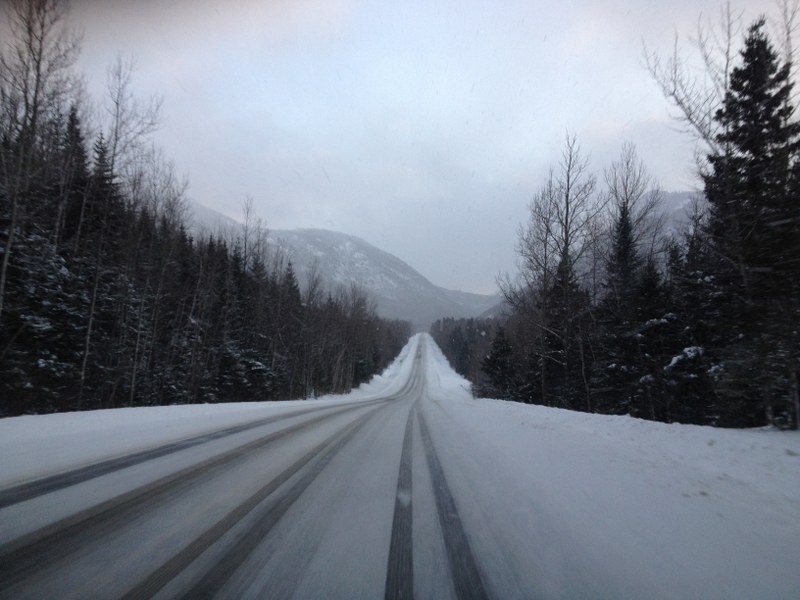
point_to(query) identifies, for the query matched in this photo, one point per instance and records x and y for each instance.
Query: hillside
(398, 290)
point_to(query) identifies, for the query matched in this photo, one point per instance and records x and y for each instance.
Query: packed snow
(35, 446)
(557, 504)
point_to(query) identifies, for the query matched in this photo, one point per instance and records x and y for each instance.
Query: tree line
(106, 298)
(612, 314)
(465, 343)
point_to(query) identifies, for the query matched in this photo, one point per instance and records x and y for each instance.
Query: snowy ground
(39, 445)
(633, 508)
(555, 504)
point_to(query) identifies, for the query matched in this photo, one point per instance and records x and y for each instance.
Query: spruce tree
(753, 225)
(499, 368)
(565, 361)
(752, 209)
(457, 350)
(618, 368)
(75, 179)
(623, 263)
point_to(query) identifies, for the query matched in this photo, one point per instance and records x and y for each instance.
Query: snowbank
(637, 508)
(37, 445)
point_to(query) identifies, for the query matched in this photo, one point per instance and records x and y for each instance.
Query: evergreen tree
(75, 180)
(753, 222)
(499, 368)
(457, 352)
(566, 362)
(752, 210)
(623, 263)
(619, 367)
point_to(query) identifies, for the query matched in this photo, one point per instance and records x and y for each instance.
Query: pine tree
(499, 368)
(565, 361)
(75, 180)
(103, 229)
(754, 216)
(624, 262)
(752, 209)
(618, 369)
(694, 319)
(623, 376)
(457, 351)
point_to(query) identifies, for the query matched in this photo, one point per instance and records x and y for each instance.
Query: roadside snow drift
(614, 507)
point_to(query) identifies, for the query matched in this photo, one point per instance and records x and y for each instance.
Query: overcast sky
(423, 127)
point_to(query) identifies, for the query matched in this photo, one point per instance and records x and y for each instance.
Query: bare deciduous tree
(35, 76)
(131, 120)
(632, 187)
(556, 239)
(696, 84)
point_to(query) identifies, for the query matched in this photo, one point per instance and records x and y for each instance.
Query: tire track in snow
(400, 569)
(308, 467)
(32, 489)
(44, 555)
(48, 546)
(463, 568)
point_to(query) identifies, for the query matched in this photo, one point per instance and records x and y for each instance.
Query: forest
(612, 312)
(107, 298)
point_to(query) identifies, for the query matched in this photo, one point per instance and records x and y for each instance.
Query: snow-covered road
(407, 487)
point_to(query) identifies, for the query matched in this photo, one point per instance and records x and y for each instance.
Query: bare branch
(630, 186)
(131, 121)
(35, 77)
(698, 93)
(787, 27)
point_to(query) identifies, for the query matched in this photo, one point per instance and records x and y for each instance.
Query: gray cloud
(422, 127)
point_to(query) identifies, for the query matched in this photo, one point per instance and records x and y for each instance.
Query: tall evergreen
(75, 180)
(623, 263)
(619, 366)
(499, 368)
(752, 208)
(753, 224)
(564, 362)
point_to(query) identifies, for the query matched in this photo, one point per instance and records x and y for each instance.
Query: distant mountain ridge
(398, 290)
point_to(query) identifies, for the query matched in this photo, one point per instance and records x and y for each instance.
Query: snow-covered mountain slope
(676, 209)
(398, 290)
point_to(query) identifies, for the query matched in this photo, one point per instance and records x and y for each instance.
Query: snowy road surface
(406, 488)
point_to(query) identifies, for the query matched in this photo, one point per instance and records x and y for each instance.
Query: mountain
(204, 220)
(676, 209)
(398, 290)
